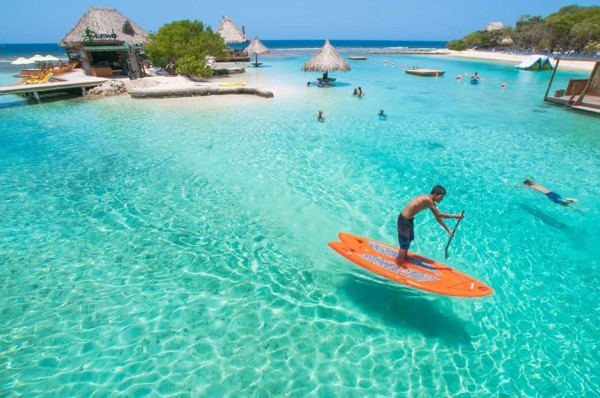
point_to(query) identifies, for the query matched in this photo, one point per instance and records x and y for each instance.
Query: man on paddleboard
(406, 232)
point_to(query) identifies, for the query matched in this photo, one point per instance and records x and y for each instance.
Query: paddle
(453, 231)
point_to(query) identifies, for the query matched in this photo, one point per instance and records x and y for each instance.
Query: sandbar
(582, 66)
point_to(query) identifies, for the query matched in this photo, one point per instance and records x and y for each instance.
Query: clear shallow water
(179, 247)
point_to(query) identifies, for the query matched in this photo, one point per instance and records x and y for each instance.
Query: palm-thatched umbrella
(326, 60)
(230, 33)
(256, 47)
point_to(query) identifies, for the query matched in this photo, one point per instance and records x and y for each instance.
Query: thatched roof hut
(106, 43)
(105, 25)
(230, 33)
(326, 60)
(256, 47)
(493, 26)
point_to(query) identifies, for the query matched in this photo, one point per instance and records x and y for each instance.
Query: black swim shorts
(406, 231)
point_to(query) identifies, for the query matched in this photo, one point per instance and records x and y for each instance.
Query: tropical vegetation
(571, 29)
(181, 47)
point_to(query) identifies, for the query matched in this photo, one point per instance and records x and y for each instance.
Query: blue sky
(43, 21)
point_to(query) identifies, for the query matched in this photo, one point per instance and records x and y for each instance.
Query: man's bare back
(417, 205)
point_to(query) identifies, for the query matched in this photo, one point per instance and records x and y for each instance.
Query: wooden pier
(580, 94)
(67, 84)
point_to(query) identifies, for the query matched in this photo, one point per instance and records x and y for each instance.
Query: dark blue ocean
(10, 52)
(345, 44)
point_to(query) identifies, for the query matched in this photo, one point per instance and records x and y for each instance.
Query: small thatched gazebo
(106, 42)
(231, 33)
(256, 47)
(326, 60)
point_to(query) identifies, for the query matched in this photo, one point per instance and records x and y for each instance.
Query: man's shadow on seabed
(408, 308)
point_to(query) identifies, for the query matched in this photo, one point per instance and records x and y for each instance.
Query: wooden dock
(76, 83)
(589, 103)
(580, 94)
(425, 72)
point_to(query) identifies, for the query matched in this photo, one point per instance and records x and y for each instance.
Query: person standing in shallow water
(406, 233)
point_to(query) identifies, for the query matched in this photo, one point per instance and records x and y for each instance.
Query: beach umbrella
(256, 47)
(326, 60)
(37, 58)
(231, 33)
(50, 58)
(21, 61)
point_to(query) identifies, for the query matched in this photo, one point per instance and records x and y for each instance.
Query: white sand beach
(516, 59)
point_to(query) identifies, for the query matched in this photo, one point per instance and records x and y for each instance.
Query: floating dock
(425, 72)
(358, 58)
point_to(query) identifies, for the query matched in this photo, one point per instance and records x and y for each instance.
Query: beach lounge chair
(37, 80)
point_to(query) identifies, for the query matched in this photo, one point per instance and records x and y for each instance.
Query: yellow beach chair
(37, 80)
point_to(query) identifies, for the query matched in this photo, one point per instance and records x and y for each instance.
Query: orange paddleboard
(420, 272)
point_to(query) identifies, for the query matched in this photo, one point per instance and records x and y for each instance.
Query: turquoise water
(179, 247)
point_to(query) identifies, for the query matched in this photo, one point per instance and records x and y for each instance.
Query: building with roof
(493, 26)
(107, 43)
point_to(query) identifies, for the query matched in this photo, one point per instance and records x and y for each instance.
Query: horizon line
(320, 39)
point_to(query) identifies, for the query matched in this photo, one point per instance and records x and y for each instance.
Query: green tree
(569, 30)
(456, 45)
(572, 28)
(585, 34)
(477, 39)
(182, 47)
(500, 37)
(530, 32)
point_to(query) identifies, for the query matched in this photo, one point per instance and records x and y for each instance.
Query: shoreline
(580, 66)
(179, 86)
(177, 83)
